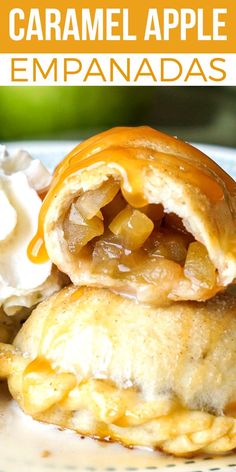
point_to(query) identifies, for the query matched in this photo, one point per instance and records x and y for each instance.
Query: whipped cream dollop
(22, 283)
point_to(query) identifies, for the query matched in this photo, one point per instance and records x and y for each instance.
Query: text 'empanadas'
(105, 366)
(142, 213)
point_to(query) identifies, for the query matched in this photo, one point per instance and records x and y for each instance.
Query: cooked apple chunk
(79, 231)
(132, 226)
(169, 244)
(90, 202)
(198, 266)
(106, 255)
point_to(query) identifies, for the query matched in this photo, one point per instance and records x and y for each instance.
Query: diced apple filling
(91, 201)
(169, 244)
(132, 227)
(79, 230)
(198, 266)
(107, 254)
(113, 208)
(142, 245)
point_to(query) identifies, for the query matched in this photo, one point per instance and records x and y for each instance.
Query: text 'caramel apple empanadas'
(107, 367)
(143, 214)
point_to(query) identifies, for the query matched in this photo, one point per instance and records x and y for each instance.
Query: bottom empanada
(107, 367)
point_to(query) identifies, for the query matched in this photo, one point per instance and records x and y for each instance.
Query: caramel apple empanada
(105, 366)
(142, 213)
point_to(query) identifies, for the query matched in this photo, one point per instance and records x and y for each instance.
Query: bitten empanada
(143, 214)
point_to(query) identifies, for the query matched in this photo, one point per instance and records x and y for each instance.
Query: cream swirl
(22, 283)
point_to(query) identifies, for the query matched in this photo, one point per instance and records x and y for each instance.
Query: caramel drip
(132, 152)
(144, 137)
(40, 365)
(230, 409)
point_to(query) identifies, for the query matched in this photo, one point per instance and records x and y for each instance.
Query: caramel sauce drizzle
(40, 365)
(132, 152)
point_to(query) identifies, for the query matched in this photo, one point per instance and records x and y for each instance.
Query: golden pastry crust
(9, 326)
(151, 168)
(105, 366)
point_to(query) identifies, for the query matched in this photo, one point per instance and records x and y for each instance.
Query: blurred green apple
(65, 112)
(193, 113)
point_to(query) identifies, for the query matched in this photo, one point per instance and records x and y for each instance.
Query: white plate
(28, 446)
(51, 152)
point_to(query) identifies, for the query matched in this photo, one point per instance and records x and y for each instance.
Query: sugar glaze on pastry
(105, 366)
(143, 214)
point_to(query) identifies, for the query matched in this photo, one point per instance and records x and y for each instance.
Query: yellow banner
(166, 26)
